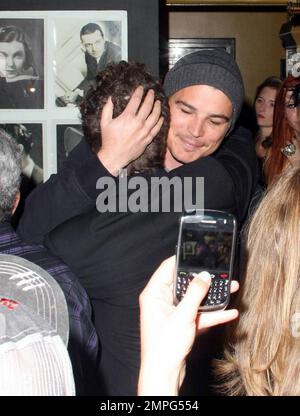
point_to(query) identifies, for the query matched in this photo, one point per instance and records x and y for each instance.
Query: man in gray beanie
(114, 253)
(213, 67)
(206, 94)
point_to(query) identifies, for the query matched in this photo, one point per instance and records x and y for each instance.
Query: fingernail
(204, 276)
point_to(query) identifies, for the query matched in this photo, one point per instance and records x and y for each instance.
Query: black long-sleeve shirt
(114, 254)
(230, 177)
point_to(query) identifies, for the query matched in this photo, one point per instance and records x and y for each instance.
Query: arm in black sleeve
(65, 195)
(237, 156)
(230, 175)
(218, 187)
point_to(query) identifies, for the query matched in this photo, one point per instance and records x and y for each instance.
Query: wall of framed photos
(33, 105)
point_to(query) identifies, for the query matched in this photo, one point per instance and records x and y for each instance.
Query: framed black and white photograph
(48, 59)
(29, 137)
(84, 44)
(21, 63)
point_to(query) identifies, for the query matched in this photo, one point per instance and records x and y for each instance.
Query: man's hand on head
(125, 137)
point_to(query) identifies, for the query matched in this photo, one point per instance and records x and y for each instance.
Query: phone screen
(206, 242)
(202, 249)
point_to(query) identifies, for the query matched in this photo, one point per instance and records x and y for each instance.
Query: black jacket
(114, 254)
(230, 178)
(111, 54)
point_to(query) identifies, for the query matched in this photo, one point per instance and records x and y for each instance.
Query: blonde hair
(263, 353)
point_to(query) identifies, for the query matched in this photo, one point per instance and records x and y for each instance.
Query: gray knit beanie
(213, 67)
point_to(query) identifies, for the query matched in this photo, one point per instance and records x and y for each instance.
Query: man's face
(12, 58)
(93, 44)
(200, 118)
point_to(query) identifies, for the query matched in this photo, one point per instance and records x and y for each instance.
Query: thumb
(107, 113)
(195, 293)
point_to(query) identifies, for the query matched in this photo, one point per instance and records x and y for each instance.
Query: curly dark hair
(119, 81)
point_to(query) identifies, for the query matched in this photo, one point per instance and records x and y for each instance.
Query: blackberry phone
(206, 242)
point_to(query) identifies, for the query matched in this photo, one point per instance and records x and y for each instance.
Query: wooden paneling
(258, 46)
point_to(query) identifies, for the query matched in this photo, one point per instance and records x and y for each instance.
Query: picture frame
(82, 46)
(226, 2)
(68, 135)
(56, 48)
(179, 47)
(21, 63)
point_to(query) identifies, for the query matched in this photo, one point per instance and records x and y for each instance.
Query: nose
(197, 127)
(9, 61)
(263, 107)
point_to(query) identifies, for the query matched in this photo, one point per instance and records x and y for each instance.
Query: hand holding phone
(206, 242)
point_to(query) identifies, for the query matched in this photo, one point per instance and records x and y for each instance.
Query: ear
(230, 128)
(16, 202)
(227, 133)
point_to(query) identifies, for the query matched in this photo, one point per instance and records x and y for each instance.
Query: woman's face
(291, 113)
(264, 107)
(12, 58)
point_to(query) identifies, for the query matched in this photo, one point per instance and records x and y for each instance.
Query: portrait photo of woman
(21, 64)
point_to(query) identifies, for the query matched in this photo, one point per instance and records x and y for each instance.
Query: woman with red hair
(285, 149)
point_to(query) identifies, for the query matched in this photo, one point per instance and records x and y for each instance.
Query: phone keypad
(216, 295)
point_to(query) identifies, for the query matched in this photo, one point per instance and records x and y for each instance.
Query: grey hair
(10, 171)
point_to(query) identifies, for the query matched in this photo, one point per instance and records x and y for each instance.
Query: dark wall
(143, 22)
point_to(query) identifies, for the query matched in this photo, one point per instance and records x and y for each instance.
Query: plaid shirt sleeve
(83, 347)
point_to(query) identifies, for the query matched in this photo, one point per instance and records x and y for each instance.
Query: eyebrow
(260, 96)
(191, 107)
(14, 54)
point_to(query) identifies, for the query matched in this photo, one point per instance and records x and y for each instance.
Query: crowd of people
(126, 337)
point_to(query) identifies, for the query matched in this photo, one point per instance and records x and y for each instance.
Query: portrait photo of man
(82, 50)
